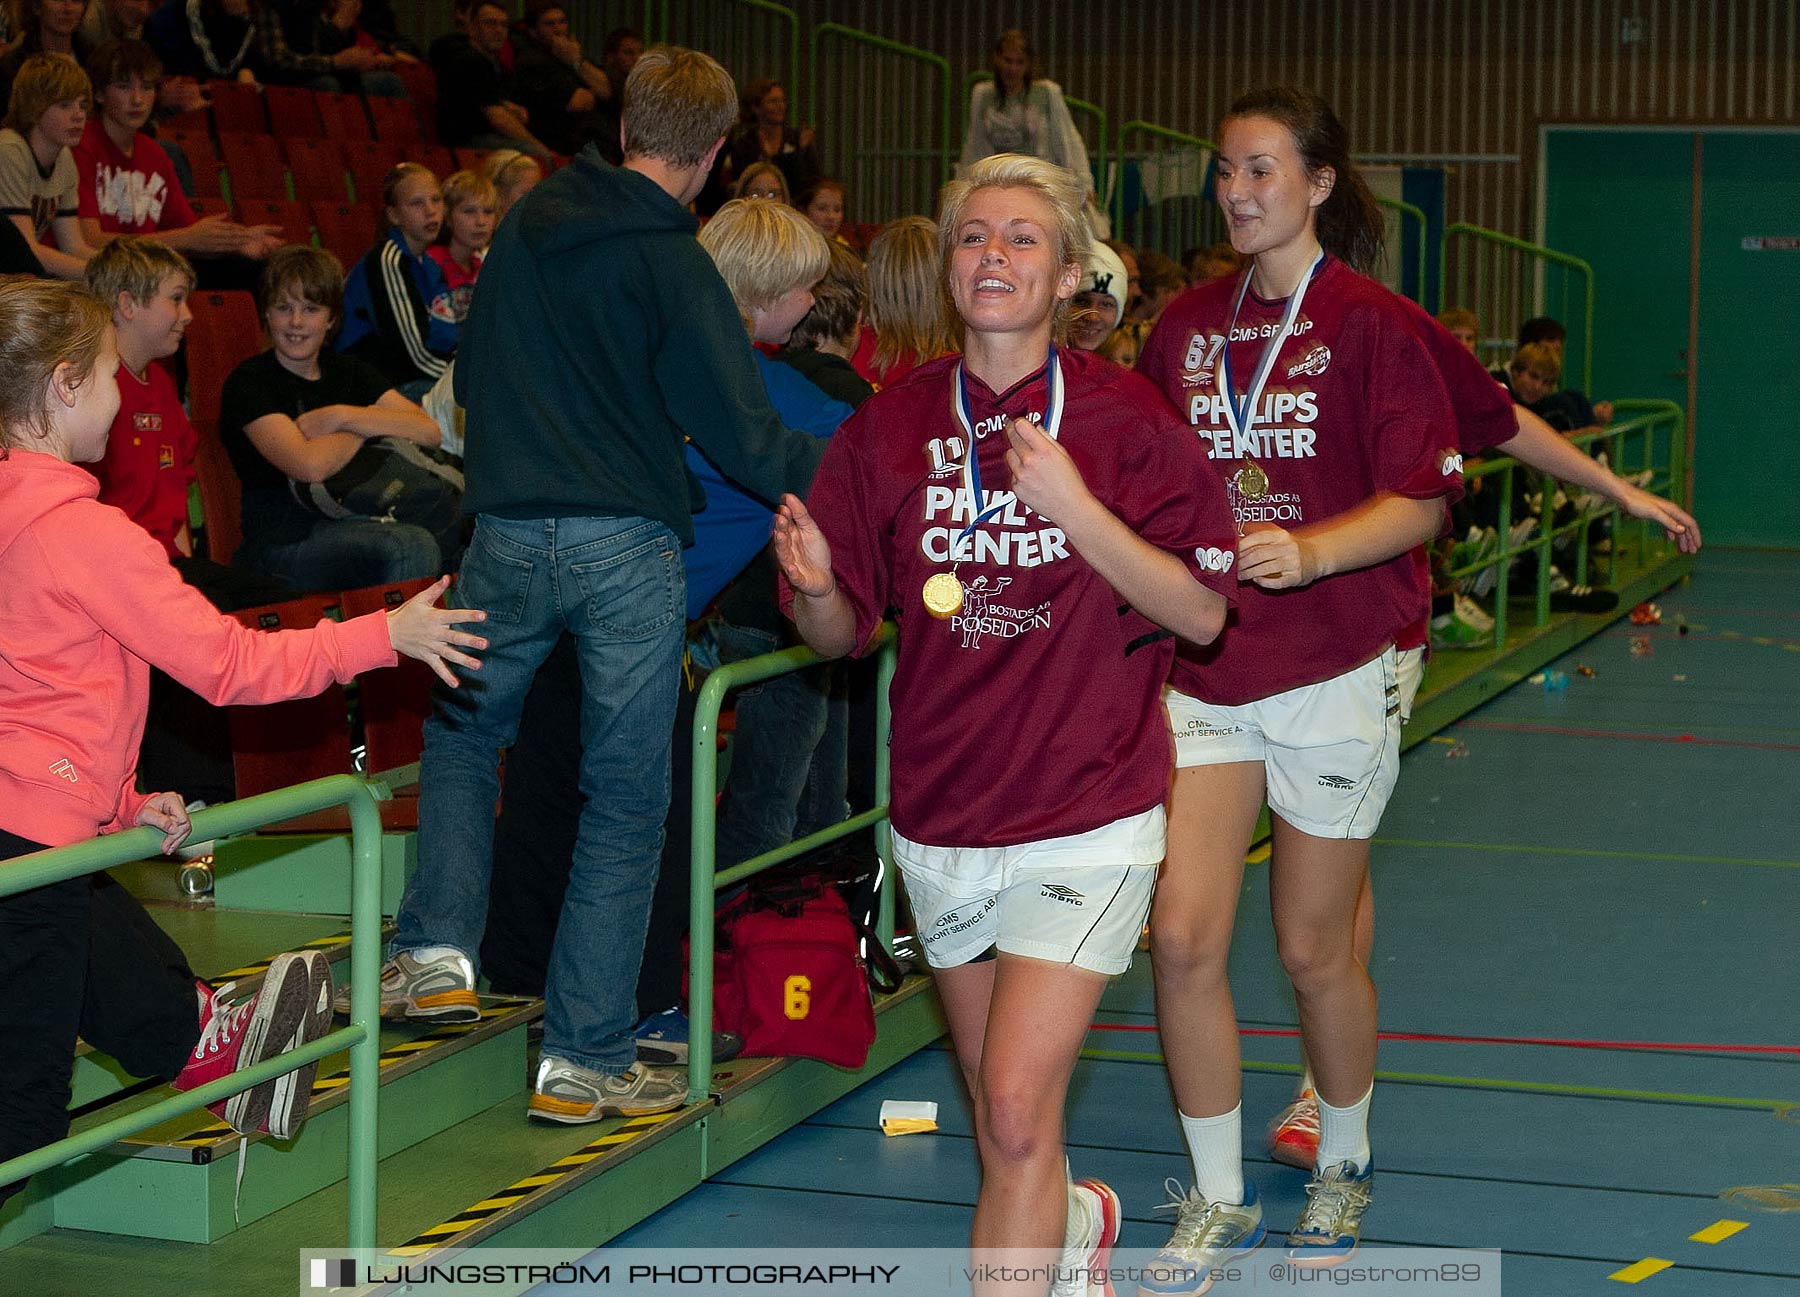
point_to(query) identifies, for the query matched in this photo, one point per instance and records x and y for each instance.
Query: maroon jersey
(150, 455)
(1354, 407)
(1035, 711)
(1484, 419)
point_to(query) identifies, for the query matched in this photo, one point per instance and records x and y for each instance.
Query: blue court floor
(1613, 862)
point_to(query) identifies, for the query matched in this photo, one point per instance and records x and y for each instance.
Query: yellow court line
(1641, 1270)
(1719, 1231)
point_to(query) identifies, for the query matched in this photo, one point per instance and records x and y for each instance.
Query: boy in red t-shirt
(127, 182)
(150, 453)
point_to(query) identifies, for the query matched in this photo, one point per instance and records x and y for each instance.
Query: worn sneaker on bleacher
(440, 988)
(292, 1006)
(662, 1039)
(569, 1093)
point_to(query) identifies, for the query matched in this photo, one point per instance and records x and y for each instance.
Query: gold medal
(1252, 483)
(943, 594)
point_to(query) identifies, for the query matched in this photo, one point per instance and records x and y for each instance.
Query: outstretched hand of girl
(420, 629)
(802, 550)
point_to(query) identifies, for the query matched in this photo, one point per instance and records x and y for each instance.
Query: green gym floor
(1562, 879)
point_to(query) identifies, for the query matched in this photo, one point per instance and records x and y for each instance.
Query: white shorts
(1079, 900)
(1330, 751)
(1410, 671)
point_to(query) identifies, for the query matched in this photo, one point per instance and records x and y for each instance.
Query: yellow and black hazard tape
(335, 941)
(221, 1133)
(440, 1235)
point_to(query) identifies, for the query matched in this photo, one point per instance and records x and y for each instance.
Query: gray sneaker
(572, 1094)
(1207, 1234)
(438, 990)
(1331, 1222)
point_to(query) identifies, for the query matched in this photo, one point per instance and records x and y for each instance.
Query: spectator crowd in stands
(341, 438)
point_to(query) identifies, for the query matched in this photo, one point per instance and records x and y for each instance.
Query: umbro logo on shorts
(1067, 895)
(1336, 781)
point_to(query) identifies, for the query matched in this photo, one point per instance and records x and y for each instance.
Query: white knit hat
(1105, 273)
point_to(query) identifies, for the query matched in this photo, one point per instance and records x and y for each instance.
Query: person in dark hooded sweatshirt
(601, 340)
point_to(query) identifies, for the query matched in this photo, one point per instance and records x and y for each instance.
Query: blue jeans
(789, 753)
(347, 554)
(619, 586)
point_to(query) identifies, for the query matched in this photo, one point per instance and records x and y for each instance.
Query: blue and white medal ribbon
(943, 590)
(1250, 482)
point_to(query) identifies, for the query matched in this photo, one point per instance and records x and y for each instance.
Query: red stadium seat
(279, 744)
(296, 226)
(203, 162)
(253, 167)
(209, 205)
(472, 159)
(369, 162)
(344, 117)
(237, 107)
(293, 111)
(347, 230)
(439, 159)
(421, 86)
(221, 494)
(225, 331)
(195, 119)
(396, 120)
(316, 168)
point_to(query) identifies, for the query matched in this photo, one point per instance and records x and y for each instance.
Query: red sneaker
(1294, 1137)
(292, 1006)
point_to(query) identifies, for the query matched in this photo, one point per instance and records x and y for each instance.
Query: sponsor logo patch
(1067, 895)
(1336, 781)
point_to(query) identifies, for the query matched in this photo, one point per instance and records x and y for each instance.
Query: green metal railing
(1151, 231)
(726, 32)
(1094, 138)
(1408, 212)
(361, 1037)
(1498, 298)
(1632, 445)
(703, 808)
(875, 139)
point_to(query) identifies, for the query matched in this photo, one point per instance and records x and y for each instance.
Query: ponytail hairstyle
(49, 322)
(1349, 222)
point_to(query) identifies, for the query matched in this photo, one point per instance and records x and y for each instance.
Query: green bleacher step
(220, 957)
(307, 872)
(497, 1179)
(176, 1181)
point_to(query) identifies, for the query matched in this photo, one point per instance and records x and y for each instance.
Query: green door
(1620, 200)
(1745, 492)
(1623, 201)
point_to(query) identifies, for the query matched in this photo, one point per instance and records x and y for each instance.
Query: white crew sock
(1344, 1133)
(1216, 1145)
(429, 954)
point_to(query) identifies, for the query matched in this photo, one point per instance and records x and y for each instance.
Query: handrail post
(884, 831)
(702, 898)
(1546, 255)
(947, 144)
(365, 1012)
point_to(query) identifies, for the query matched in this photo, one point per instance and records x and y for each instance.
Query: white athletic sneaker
(1207, 1234)
(1087, 1246)
(433, 990)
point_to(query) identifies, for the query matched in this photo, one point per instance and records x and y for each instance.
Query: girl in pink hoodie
(88, 603)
